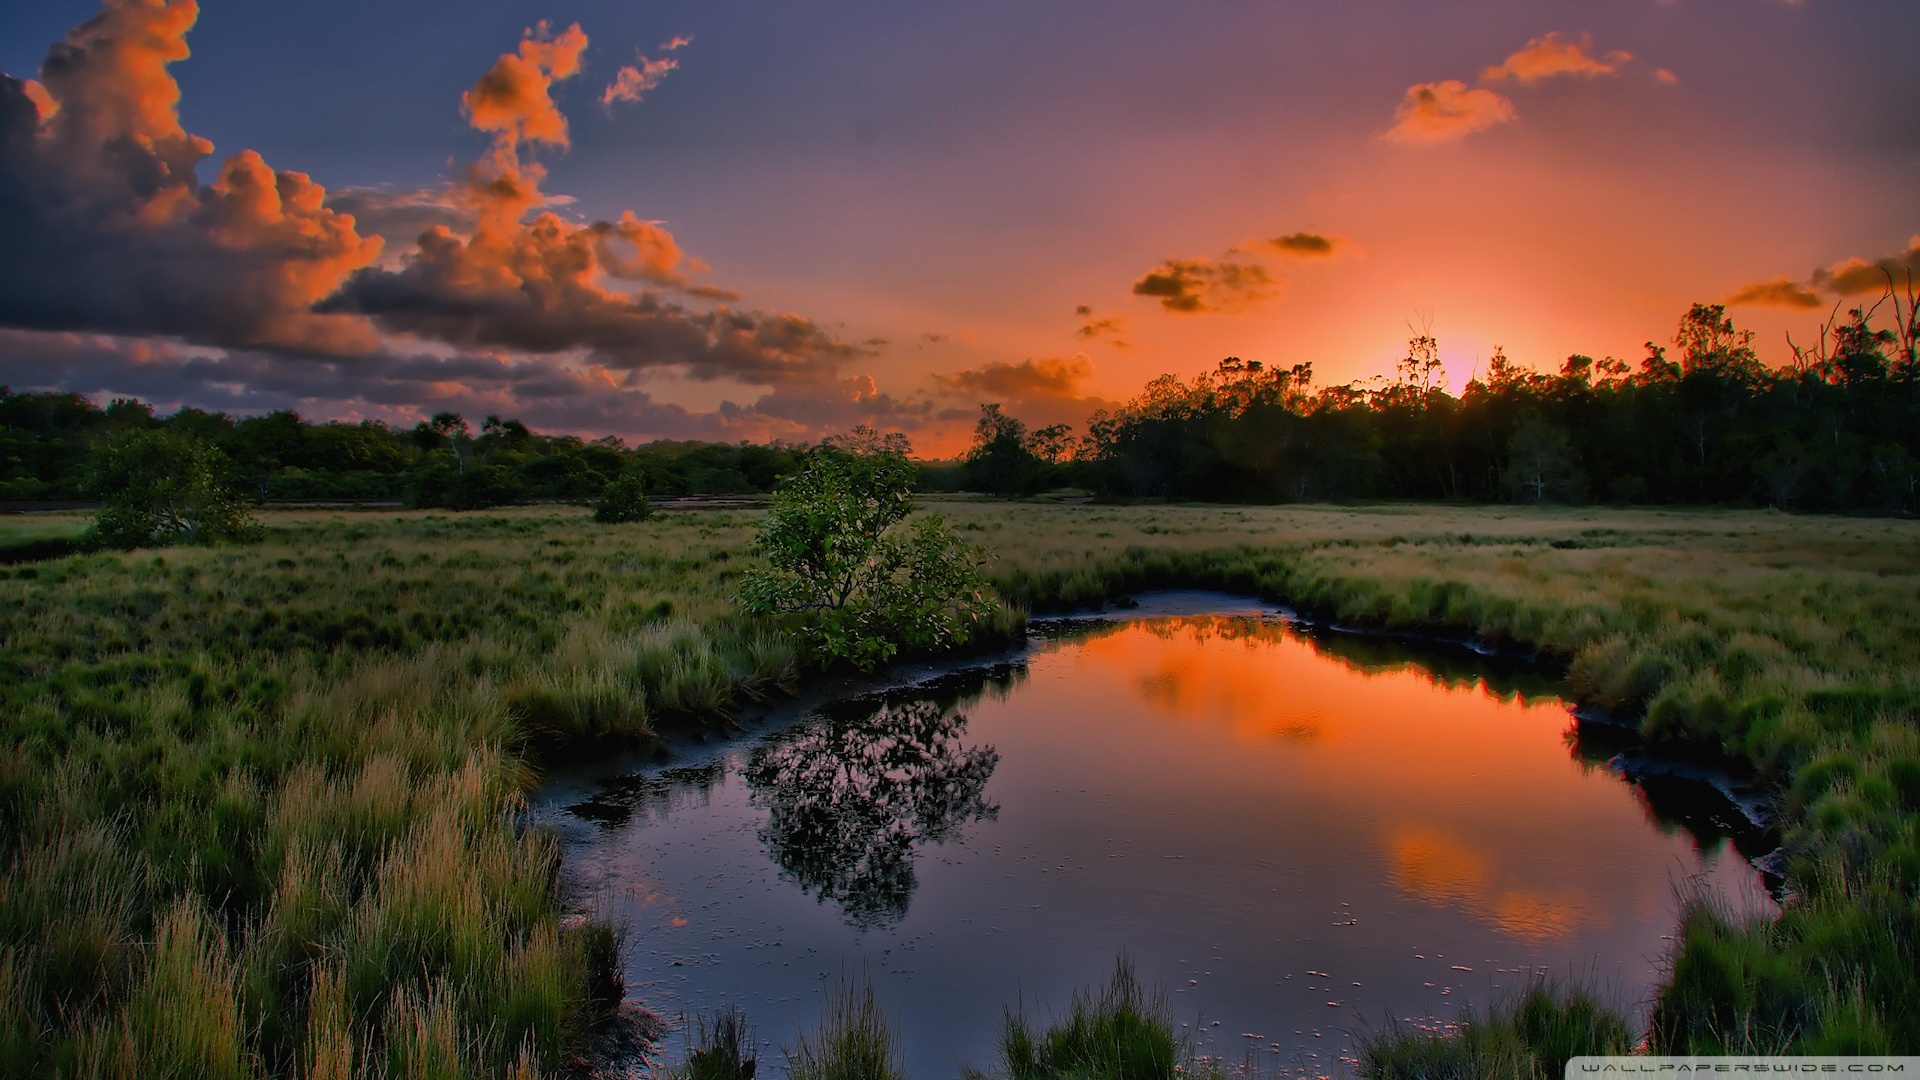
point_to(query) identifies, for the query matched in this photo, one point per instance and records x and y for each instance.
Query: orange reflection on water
(1390, 758)
(1438, 867)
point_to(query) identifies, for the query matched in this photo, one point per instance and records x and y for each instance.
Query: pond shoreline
(689, 745)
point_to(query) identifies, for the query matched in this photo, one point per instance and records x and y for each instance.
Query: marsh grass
(1526, 1038)
(293, 769)
(853, 1041)
(720, 1048)
(1121, 1031)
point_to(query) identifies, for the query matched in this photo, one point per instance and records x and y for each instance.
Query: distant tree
(857, 581)
(1540, 463)
(1000, 461)
(163, 487)
(1051, 444)
(624, 500)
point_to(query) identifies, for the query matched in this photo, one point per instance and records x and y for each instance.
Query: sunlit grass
(288, 774)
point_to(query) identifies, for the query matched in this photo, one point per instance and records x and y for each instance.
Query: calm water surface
(1292, 832)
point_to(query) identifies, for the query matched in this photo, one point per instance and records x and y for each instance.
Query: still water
(1293, 832)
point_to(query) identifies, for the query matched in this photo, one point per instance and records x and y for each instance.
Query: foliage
(1529, 1038)
(1119, 1033)
(319, 740)
(1837, 429)
(853, 1042)
(623, 501)
(855, 580)
(721, 1048)
(45, 443)
(161, 487)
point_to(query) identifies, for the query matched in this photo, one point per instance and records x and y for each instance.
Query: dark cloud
(1780, 292)
(107, 227)
(1302, 243)
(122, 274)
(1041, 391)
(1852, 277)
(550, 393)
(1198, 286)
(399, 217)
(1112, 329)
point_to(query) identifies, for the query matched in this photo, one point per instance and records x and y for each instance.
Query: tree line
(61, 447)
(1702, 421)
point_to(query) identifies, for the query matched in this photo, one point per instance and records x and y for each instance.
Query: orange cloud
(1554, 56)
(514, 97)
(1113, 329)
(1443, 111)
(1853, 276)
(1780, 292)
(631, 82)
(1303, 243)
(1057, 377)
(108, 229)
(1199, 286)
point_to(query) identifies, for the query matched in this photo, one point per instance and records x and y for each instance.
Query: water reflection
(651, 795)
(1290, 827)
(847, 802)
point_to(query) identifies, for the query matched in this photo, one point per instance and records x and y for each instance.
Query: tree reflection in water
(849, 799)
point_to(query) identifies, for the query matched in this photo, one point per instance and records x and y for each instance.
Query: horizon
(759, 225)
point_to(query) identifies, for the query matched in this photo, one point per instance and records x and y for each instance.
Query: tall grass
(1119, 1032)
(293, 769)
(854, 1040)
(1528, 1038)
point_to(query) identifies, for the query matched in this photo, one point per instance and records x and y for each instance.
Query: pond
(1293, 831)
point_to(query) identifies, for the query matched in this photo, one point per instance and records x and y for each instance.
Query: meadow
(261, 805)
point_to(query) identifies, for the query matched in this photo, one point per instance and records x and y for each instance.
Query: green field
(259, 805)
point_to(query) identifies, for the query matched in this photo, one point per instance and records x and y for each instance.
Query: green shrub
(160, 486)
(623, 501)
(858, 585)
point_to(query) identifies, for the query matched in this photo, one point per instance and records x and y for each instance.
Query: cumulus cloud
(399, 217)
(108, 228)
(1851, 277)
(1060, 377)
(1047, 390)
(1780, 292)
(1555, 56)
(1112, 329)
(1302, 243)
(126, 275)
(514, 98)
(1198, 286)
(1444, 111)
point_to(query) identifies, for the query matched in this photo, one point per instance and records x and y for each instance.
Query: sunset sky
(762, 220)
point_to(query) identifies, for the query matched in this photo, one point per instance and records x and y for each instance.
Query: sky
(754, 220)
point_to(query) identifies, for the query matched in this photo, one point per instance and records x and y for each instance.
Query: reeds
(316, 745)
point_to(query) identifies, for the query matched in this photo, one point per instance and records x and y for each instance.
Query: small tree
(623, 500)
(859, 582)
(1540, 462)
(163, 487)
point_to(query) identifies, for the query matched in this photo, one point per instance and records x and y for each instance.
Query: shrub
(160, 487)
(624, 500)
(859, 583)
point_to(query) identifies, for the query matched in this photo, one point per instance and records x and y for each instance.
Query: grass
(1122, 1032)
(1528, 1038)
(283, 782)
